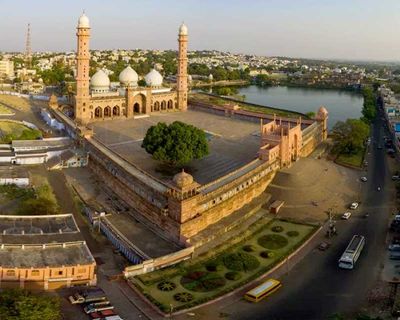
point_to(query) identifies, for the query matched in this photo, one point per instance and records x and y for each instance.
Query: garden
(199, 280)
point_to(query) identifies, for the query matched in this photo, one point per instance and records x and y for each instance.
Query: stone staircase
(232, 225)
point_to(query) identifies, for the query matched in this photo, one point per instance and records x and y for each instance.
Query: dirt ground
(311, 187)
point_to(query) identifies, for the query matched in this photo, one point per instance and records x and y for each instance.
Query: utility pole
(28, 48)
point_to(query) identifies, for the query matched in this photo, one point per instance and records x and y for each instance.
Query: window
(60, 273)
(35, 273)
(10, 273)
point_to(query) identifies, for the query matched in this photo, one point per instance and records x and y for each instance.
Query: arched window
(170, 104)
(136, 108)
(163, 105)
(107, 111)
(98, 112)
(115, 111)
(156, 106)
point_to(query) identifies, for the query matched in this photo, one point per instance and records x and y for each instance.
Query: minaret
(82, 97)
(182, 77)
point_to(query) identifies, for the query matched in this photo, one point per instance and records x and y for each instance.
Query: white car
(354, 206)
(363, 179)
(346, 215)
(394, 178)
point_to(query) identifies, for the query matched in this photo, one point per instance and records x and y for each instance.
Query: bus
(352, 252)
(263, 290)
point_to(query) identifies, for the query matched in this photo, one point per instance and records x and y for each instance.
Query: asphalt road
(316, 288)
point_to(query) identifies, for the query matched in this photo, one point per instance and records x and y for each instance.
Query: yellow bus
(263, 290)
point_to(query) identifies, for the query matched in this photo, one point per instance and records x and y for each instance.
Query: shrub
(272, 241)
(248, 248)
(241, 261)
(267, 254)
(166, 286)
(233, 275)
(183, 297)
(206, 282)
(277, 229)
(292, 233)
(214, 266)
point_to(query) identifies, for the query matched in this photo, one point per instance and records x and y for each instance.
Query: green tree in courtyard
(349, 137)
(176, 144)
(21, 304)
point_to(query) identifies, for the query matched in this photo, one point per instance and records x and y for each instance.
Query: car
(102, 314)
(354, 206)
(394, 247)
(379, 147)
(324, 246)
(363, 179)
(394, 255)
(346, 215)
(395, 178)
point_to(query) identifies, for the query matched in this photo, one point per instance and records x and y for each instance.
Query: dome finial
(183, 30)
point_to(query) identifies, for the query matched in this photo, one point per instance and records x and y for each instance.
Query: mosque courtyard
(232, 142)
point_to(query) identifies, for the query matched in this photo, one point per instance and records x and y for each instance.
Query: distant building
(43, 252)
(14, 175)
(7, 69)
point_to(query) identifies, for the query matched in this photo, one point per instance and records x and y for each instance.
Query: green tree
(175, 144)
(310, 114)
(21, 304)
(369, 106)
(349, 137)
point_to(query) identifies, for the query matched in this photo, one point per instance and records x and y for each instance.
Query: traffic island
(194, 282)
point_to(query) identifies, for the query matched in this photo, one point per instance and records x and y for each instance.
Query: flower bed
(231, 268)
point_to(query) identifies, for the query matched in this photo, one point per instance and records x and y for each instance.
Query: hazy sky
(346, 29)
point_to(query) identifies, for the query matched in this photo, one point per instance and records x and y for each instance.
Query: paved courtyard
(232, 142)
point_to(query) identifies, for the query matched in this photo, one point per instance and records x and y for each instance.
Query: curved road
(316, 288)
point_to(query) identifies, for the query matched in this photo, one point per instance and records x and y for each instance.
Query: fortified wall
(182, 208)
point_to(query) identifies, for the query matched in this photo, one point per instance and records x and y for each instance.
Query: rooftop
(49, 255)
(233, 143)
(13, 172)
(38, 229)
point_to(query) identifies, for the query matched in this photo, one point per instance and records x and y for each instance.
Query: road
(316, 288)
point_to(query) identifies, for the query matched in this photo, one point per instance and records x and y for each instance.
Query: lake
(340, 104)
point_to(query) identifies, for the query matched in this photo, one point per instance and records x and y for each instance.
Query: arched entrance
(163, 105)
(115, 111)
(107, 112)
(136, 108)
(156, 106)
(98, 113)
(170, 104)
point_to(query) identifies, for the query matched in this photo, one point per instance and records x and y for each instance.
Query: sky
(327, 29)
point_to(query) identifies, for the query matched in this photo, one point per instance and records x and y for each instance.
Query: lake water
(340, 104)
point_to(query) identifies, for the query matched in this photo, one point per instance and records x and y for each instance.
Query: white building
(7, 69)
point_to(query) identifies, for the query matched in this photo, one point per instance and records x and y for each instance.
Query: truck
(89, 295)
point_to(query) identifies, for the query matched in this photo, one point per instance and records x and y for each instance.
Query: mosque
(95, 100)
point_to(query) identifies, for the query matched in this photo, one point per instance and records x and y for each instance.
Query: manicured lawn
(354, 160)
(5, 110)
(17, 131)
(192, 283)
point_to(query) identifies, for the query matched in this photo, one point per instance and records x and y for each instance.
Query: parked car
(89, 295)
(346, 215)
(379, 146)
(395, 178)
(112, 318)
(90, 309)
(394, 255)
(354, 206)
(394, 247)
(102, 314)
(363, 179)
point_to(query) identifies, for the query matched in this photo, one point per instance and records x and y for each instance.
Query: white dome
(128, 76)
(83, 21)
(100, 81)
(153, 78)
(183, 30)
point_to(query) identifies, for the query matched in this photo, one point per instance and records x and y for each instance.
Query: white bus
(352, 252)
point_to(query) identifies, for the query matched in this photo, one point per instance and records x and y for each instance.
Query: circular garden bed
(233, 275)
(273, 241)
(267, 254)
(202, 281)
(166, 286)
(240, 261)
(183, 297)
(292, 233)
(277, 229)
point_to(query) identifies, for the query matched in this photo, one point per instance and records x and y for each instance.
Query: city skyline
(309, 29)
